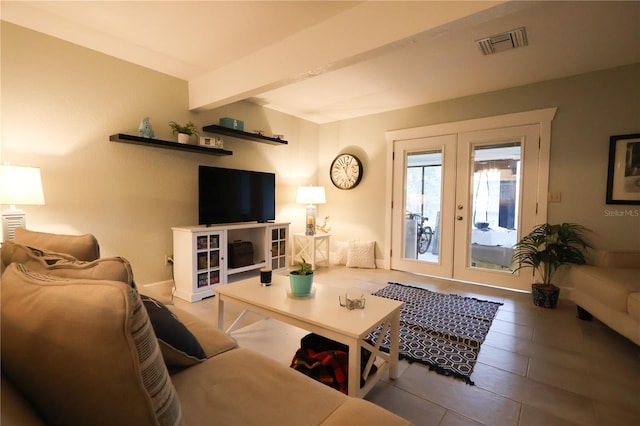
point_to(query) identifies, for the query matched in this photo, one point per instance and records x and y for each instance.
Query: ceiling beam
(366, 30)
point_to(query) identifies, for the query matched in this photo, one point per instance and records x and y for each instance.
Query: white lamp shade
(20, 185)
(311, 195)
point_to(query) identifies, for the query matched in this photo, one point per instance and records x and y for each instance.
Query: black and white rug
(444, 331)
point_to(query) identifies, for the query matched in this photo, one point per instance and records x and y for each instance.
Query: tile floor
(536, 367)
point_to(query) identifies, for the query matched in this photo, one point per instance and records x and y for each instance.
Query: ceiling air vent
(505, 41)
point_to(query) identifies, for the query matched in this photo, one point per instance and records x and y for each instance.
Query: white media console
(200, 255)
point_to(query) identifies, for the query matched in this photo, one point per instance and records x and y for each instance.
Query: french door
(462, 200)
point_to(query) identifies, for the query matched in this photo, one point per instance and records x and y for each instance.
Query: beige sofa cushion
(212, 340)
(616, 259)
(611, 286)
(82, 247)
(83, 351)
(12, 252)
(634, 306)
(16, 410)
(242, 387)
(63, 265)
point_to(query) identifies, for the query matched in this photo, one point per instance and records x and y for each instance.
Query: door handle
(458, 217)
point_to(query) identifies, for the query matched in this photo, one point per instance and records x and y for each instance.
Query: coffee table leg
(394, 345)
(354, 369)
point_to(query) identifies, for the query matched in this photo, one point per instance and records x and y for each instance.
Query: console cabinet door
(278, 237)
(210, 251)
(199, 262)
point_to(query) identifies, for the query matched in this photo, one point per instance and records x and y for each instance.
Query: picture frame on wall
(623, 180)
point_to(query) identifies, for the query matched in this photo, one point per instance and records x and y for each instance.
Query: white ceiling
(326, 61)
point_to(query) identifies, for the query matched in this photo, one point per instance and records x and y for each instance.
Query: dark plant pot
(545, 295)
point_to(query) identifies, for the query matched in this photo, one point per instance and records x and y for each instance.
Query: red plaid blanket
(328, 367)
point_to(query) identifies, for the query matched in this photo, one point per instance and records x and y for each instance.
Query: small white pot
(183, 138)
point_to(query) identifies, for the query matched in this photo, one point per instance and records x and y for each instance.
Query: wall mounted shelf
(240, 134)
(159, 143)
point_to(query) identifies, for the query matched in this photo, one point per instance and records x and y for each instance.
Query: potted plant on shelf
(301, 279)
(545, 249)
(183, 132)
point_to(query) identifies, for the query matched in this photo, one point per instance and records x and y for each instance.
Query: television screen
(231, 195)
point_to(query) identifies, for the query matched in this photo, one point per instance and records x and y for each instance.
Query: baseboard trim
(159, 283)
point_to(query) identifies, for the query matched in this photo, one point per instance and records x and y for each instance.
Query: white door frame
(541, 117)
(447, 146)
(527, 136)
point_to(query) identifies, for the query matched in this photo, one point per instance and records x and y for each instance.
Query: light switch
(555, 197)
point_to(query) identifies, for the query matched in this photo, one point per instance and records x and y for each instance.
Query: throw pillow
(12, 252)
(83, 351)
(361, 254)
(340, 253)
(82, 247)
(179, 346)
(63, 265)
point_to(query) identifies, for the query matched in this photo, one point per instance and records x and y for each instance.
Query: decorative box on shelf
(232, 123)
(211, 142)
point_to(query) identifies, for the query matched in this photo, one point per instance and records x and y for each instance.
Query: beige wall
(591, 108)
(60, 103)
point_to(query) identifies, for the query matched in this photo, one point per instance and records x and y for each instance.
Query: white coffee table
(322, 314)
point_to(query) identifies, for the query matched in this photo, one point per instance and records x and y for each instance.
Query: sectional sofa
(609, 289)
(81, 346)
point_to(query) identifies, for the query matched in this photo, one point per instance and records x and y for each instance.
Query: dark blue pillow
(180, 348)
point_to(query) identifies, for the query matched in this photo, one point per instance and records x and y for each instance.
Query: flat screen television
(232, 195)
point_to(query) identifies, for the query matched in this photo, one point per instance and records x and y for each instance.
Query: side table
(314, 249)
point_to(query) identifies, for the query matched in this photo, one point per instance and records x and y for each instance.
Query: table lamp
(310, 195)
(18, 186)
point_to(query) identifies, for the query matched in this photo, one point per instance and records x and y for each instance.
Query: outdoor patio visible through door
(462, 200)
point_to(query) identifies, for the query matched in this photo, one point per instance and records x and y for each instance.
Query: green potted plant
(301, 279)
(545, 249)
(183, 132)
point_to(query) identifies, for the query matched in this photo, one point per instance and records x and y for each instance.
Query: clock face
(346, 171)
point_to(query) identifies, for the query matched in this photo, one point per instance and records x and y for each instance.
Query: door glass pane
(495, 199)
(422, 206)
(214, 259)
(213, 241)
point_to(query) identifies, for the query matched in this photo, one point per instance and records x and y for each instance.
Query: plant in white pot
(301, 279)
(184, 132)
(545, 249)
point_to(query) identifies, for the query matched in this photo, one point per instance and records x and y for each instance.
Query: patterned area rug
(444, 331)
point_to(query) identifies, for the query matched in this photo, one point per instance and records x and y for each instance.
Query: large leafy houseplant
(545, 249)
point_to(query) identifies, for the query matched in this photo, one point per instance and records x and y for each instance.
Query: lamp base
(11, 219)
(310, 227)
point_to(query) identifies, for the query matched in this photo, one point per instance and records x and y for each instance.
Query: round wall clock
(346, 171)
